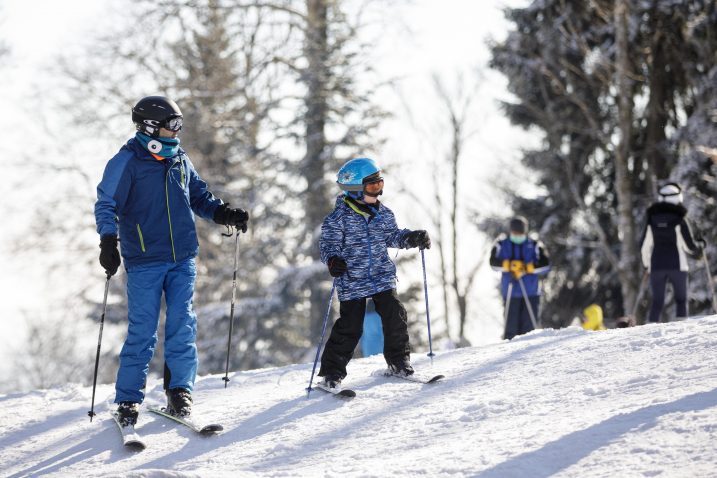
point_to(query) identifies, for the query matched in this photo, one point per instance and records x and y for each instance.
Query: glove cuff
(108, 240)
(220, 214)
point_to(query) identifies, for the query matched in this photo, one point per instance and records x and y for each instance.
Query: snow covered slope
(630, 402)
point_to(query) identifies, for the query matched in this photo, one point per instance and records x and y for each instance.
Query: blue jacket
(530, 252)
(363, 242)
(152, 203)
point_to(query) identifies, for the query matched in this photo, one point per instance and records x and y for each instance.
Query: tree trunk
(626, 223)
(318, 200)
(659, 166)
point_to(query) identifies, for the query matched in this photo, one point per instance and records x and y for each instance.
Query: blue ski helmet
(352, 176)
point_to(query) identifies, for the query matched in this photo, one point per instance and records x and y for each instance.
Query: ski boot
(332, 382)
(179, 402)
(127, 413)
(402, 368)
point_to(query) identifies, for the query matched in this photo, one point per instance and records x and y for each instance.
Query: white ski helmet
(670, 193)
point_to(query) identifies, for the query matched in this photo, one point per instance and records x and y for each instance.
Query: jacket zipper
(169, 215)
(141, 238)
(370, 255)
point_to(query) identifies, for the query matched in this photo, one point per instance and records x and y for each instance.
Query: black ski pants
(348, 328)
(518, 321)
(658, 281)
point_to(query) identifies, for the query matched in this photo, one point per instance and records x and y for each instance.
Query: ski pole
(709, 279)
(321, 341)
(640, 292)
(507, 307)
(428, 315)
(527, 303)
(92, 413)
(231, 313)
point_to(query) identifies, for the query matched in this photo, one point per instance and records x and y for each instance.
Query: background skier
(149, 195)
(372, 338)
(665, 240)
(592, 318)
(521, 259)
(354, 244)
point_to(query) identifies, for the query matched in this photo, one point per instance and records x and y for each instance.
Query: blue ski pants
(658, 281)
(145, 285)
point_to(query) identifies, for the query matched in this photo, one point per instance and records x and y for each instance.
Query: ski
(414, 378)
(130, 438)
(205, 430)
(341, 392)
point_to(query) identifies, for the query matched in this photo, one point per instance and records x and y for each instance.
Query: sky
(414, 41)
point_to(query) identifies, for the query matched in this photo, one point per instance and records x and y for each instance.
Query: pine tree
(581, 72)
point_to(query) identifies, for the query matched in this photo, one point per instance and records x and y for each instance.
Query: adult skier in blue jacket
(148, 197)
(521, 260)
(354, 244)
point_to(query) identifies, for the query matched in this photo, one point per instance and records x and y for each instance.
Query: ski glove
(517, 268)
(109, 254)
(337, 266)
(227, 216)
(418, 239)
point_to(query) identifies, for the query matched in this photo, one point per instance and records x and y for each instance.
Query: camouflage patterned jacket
(362, 239)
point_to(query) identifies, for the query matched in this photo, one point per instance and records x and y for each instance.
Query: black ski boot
(332, 381)
(179, 402)
(402, 367)
(127, 413)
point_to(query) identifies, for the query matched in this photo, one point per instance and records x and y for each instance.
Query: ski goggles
(373, 186)
(173, 124)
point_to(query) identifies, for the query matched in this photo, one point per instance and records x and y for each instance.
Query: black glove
(699, 249)
(337, 266)
(227, 216)
(418, 239)
(109, 255)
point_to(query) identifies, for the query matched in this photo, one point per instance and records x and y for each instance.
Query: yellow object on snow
(592, 318)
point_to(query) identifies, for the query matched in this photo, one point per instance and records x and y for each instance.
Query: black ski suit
(666, 241)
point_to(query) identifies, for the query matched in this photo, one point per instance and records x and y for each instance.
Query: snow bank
(628, 402)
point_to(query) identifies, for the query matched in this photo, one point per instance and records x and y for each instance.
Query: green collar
(356, 209)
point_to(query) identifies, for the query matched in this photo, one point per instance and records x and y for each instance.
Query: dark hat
(519, 224)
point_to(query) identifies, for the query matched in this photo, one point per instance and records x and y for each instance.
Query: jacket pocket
(141, 238)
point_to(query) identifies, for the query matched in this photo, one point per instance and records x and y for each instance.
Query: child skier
(354, 244)
(592, 318)
(149, 194)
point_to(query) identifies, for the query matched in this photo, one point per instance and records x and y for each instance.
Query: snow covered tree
(605, 82)
(272, 108)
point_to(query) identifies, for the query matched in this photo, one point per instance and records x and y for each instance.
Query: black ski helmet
(519, 225)
(154, 112)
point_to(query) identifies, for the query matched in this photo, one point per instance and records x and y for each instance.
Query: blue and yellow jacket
(151, 203)
(531, 254)
(362, 239)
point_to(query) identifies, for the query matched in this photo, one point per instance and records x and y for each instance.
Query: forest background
(570, 113)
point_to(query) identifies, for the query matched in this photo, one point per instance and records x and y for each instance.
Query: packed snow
(624, 402)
